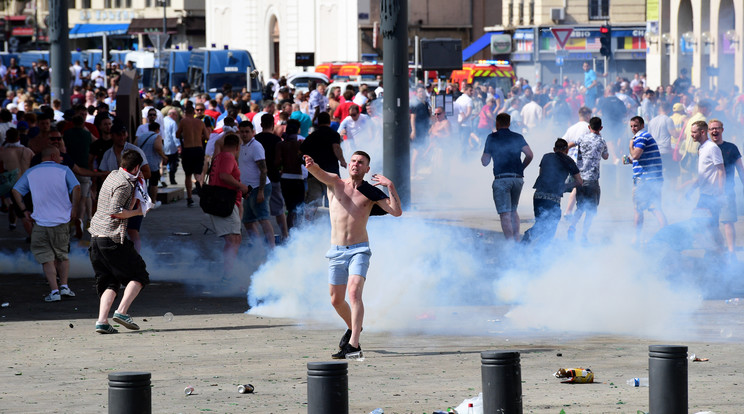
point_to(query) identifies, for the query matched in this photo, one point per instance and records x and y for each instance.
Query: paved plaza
(417, 360)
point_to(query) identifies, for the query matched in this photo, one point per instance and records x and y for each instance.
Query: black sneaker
(344, 339)
(349, 352)
(189, 202)
(197, 188)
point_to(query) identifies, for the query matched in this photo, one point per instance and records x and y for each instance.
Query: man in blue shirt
(647, 175)
(505, 148)
(56, 194)
(555, 167)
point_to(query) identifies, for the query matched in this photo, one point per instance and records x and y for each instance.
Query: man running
(351, 201)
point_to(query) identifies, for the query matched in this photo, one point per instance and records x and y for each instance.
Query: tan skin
(349, 210)
(193, 132)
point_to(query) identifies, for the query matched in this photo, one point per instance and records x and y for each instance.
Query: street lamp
(689, 38)
(651, 38)
(708, 39)
(731, 36)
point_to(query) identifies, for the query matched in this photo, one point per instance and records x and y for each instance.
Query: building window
(86, 4)
(117, 4)
(520, 17)
(599, 9)
(70, 4)
(107, 4)
(148, 3)
(128, 4)
(510, 13)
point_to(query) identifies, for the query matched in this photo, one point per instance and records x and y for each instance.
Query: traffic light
(605, 41)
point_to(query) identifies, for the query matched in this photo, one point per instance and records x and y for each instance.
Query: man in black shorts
(114, 258)
(194, 133)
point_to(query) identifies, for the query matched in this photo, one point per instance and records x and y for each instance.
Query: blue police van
(174, 65)
(211, 69)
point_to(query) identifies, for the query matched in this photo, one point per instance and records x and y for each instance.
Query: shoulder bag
(216, 200)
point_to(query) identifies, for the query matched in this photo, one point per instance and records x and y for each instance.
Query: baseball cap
(11, 106)
(22, 125)
(118, 127)
(678, 107)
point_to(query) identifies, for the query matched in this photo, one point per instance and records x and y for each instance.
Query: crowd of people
(672, 136)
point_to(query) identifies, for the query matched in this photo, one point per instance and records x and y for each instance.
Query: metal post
(667, 379)
(59, 51)
(129, 392)
(501, 377)
(327, 387)
(396, 143)
(416, 61)
(104, 59)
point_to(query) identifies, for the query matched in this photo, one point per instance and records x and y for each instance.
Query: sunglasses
(55, 138)
(199, 109)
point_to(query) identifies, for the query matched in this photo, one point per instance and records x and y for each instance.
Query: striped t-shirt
(648, 166)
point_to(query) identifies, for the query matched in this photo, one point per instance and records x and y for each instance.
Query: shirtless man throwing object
(351, 201)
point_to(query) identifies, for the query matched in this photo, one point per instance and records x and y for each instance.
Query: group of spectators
(256, 148)
(673, 136)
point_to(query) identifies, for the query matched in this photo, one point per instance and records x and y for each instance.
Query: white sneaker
(65, 291)
(157, 204)
(52, 297)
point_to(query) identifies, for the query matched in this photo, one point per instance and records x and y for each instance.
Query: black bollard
(667, 379)
(129, 393)
(327, 388)
(501, 377)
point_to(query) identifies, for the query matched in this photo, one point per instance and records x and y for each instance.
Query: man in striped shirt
(647, 175)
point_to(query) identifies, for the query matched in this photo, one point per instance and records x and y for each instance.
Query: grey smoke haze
(429, 277)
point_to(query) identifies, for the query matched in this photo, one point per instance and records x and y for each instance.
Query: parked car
(300, 80)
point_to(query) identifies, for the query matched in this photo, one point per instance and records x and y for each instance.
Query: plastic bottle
(470, 408)
(377, 411)
(638, 382)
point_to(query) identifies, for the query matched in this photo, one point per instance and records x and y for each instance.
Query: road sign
(501, 44)
(561, 35)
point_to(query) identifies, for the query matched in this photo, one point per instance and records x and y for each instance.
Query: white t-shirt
(462, 104)
(75, 70)
(250, 153)
(360, 99)
(257, 122)
(143, 130)
(573, 133)
(359, 130)
(531, 114)
(99, 77)
(710, 158)
(159, 118)
(109, 163)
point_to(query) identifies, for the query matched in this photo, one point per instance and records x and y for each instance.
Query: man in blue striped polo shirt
(647, 175)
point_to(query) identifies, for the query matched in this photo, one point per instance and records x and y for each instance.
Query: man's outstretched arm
(391, 204)
(317, 172)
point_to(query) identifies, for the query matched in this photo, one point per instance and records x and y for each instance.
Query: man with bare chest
(194, 134)
(351, 201)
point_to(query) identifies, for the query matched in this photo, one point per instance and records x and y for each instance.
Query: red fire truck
(498, 73)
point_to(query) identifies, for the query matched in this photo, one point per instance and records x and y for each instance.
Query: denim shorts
(728, 209)
(252, 210)
(346, 260)
(506, 193)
